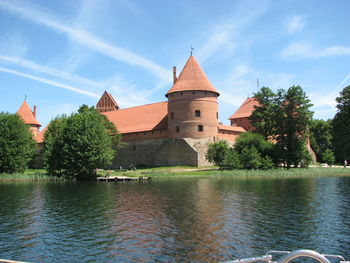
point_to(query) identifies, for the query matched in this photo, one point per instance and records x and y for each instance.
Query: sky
(62, 54)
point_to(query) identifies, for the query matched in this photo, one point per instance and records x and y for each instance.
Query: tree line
(283, 126)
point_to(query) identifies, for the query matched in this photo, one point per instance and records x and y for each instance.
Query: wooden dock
(123, 178)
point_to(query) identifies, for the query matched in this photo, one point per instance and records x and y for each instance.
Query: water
(173, 220)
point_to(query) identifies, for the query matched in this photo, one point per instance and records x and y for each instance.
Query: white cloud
(306, 50)
(295, 24)
(49, 82)
(13, 43)
(44, 17)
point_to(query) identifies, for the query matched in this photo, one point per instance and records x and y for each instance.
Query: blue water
(173, 220)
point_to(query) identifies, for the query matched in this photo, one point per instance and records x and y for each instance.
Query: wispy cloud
(295, 24)
(305, 50)
(13, 43)
(49, 82)
(222, 37)
(46, 18)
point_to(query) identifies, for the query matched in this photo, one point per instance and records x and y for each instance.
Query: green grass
(163, 172)
(28, 175)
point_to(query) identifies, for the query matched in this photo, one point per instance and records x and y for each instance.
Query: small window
(177, 129)
(197, 113)
(171, 115)
(200, 128)
(193, 92)
(181, 93)
(217, 115)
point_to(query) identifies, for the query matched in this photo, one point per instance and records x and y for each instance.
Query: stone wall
(163, 152)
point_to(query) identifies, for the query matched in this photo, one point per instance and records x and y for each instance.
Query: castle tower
(29, 117)
(192, 104)
(106, 103)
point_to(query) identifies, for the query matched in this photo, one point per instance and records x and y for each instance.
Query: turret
(192, 104)
(29, 117)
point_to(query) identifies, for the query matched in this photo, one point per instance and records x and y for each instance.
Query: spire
(27, 115)
(192, 78)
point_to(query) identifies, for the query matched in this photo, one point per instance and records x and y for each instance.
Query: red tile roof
(192, 77)
(231, 128)
(40, 137)
(140, 118)
(27, 115)
(246, 109)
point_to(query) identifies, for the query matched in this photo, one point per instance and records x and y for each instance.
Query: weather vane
(192, 50)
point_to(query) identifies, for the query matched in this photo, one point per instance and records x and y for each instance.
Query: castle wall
(242, 122)
(228, 135)
(147, 135)
(163, 152)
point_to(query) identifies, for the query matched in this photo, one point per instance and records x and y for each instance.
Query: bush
(250, 158)
(16, 144)
(328, 157)
(232, 160)
(217, 152)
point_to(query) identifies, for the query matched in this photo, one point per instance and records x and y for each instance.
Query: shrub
(232, 160)
(217, 152)
(328, 157)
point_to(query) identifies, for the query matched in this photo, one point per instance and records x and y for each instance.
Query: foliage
(16, 144)
(77, 145)
(217, 152)
(249, 139)
(341, 126)
(232, 160)
(263, 116)
(328, 157)
(321, 137)
(250, 158)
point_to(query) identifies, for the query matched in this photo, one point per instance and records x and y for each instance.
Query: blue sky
(63, 54)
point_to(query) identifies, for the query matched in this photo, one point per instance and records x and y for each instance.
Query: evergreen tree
(341, 126)
(17, 146)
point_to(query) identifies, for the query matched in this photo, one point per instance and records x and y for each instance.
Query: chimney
(174, 74)
(34, 111)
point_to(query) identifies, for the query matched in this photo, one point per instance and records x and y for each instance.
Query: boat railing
(287, 256)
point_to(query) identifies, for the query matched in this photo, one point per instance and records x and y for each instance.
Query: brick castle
(173, 132)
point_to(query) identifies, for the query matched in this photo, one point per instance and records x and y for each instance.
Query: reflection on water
(171, 220)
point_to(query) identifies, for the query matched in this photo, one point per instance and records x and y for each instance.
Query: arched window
(197, 113)
(171, 115)
(177, 129)
(200, 128)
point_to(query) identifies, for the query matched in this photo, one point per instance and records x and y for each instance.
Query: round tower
(192, 104)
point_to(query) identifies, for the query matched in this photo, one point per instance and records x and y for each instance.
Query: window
(217, 115)
(193, 92)
(171, 115)
(177, 129)
(200, 128)
(181, 93)
(197, 113)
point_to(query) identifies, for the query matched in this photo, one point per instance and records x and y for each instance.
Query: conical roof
(27, 115)
(192, 78)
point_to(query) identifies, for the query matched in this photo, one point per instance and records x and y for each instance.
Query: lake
(173, 220)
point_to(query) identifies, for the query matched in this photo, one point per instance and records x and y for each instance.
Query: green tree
(263, 117)
(250, 158)
(341, 126)
(217, 152)
(321, 137)
(328, 157)
(292, 129)
(250, 139)
(82, 142)
(16, 144)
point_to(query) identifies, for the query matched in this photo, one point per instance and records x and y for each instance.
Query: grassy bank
(163, 172)
(29, 175)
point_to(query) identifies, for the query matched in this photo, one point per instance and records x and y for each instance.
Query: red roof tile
(140, 118)
(246, 109)
(40, 137)
(27, 115)
(231, 128)
(192, 77)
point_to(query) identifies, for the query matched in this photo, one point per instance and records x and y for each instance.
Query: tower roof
(27, 115)
(107, 102)
(192, 77)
